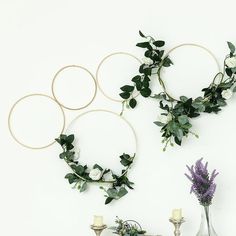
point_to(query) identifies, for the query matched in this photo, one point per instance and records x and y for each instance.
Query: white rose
(227, 94)
(230, 62)
(95, 174)
(147, 61)
(165, 119)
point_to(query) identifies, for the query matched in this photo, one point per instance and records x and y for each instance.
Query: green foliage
(80, 173)
(184, 109)
(83, 186)
(141, 82)
(180, 110)
(127, 228)
(132, 102)
(118, 189)
(72, 178)
(231, 47)
(126, 159)
(167, 62)
(159, 43)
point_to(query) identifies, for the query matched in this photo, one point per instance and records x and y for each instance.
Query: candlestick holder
(98, 229)
(177, 224)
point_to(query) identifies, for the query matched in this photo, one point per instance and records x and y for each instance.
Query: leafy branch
(81, 175)
(127, 228)
(155, 59)
(179, 112)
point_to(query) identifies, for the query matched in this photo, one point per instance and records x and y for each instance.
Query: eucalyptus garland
(81, 175)
(177, 113)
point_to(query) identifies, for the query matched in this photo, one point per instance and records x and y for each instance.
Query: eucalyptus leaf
(136, 78)
(141, 34)
(62, 155)
(183, 98)
(159, 43)
(127, 88)
(132, 102)
(221, 102)
(72, 178)
(83, 187)
(158, 123)
(144, 45)
(183, 119)
(96, 166)
(231, 47)
(122, 192)
(79, 169)
(167, 62)
(179, 134)
(70, 138)
(112, 192)
(108, 200)
(177, 141)
(146, 92)
(125, 95)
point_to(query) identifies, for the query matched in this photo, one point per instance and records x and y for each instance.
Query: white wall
(39, 37)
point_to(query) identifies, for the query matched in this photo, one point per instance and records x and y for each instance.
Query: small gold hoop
(10, 115)
(99, 66)
(79, 67)
(183, 45)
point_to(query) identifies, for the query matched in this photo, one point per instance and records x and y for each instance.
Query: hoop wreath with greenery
(175, 118)
(82, 175)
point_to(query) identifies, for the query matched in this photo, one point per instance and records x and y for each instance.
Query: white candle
(177, 214)
(98, 221)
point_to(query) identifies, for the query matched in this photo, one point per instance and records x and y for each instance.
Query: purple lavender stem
(203, 185)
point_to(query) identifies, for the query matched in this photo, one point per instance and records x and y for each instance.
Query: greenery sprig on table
(177, 113)
(81, 175)
(127, 228)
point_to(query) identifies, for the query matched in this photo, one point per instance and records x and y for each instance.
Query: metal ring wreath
(82, 175)
(175, 118)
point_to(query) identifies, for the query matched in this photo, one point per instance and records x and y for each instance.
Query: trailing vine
(81, 175)
(176, 115)
(154, 60)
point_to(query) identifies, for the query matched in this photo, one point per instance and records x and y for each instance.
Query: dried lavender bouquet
(204, 187)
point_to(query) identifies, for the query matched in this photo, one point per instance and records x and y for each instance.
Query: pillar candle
(177, 214)
(98, 221)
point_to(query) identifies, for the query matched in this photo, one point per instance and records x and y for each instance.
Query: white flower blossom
(95, 174)
(147, 61)
(165, 119)
(227, 94)
(230, 62)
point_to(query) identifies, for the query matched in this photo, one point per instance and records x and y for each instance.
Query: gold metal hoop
(10, 115)
(113, 113)
(99, 66)
(73, 66)
(183, 45)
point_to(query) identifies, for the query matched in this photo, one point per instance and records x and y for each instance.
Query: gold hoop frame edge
(99, 66)
(195, 45)
(10, 115)
(110, 112)
(79, 67)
